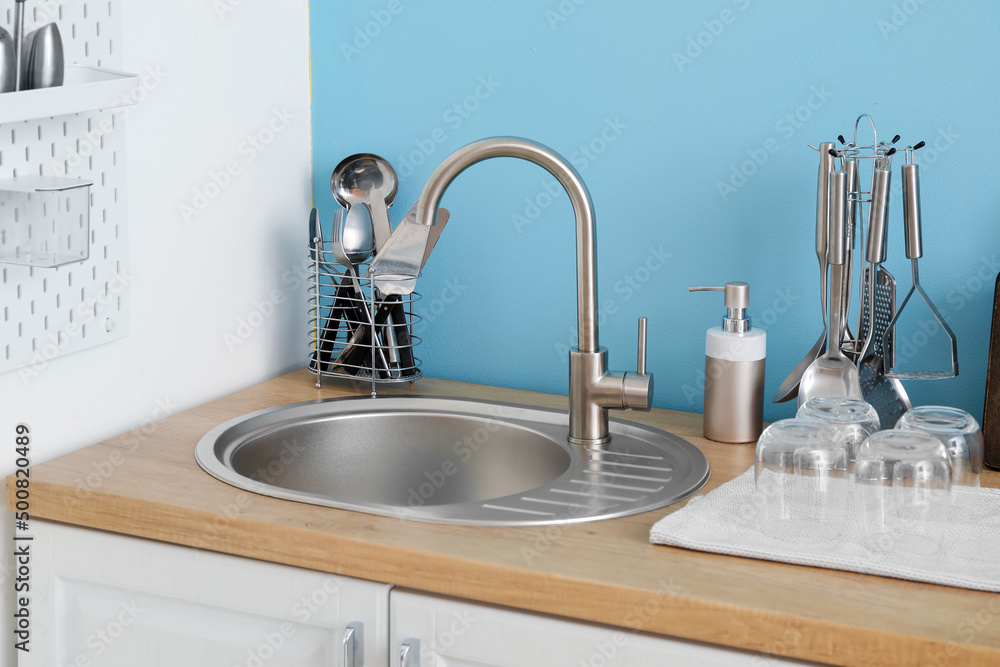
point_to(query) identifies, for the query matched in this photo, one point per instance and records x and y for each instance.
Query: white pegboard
(47, 313)
(89, 29)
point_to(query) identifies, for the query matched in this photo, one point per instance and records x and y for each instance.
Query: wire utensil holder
(354, 332)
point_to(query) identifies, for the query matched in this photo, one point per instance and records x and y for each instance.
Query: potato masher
(914, 250)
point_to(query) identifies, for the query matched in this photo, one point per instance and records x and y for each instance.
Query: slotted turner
(882, 313)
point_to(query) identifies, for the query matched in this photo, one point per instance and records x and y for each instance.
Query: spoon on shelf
(8, 73)
(18, 43)
(42, 61)
(371, 181)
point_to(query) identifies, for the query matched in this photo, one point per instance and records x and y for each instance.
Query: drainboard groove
(621, 474)
(565, 504)
(604, 452)
(617, 464)
(598, 495)
(608, 485)
(516, 509)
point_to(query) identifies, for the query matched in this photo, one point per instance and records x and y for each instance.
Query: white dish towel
(729, 521)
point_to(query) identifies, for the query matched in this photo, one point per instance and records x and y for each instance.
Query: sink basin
(447, 460)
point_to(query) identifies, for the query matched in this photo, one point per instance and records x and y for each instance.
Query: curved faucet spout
(593, 390)
(583, 208)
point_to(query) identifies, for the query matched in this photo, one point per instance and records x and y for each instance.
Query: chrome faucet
(593, 390)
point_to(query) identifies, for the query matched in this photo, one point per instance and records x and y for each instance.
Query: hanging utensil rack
(877, 314)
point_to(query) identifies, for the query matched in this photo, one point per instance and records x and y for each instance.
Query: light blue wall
(657, 103)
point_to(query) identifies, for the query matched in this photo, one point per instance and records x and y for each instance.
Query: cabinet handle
(409, 653)
(354, 645)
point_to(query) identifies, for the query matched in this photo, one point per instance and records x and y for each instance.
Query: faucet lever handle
(637, 388)
(641, 359)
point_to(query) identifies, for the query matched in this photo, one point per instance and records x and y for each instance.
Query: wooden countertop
(148, 484)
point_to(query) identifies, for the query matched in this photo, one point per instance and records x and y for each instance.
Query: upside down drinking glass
(903, 491)
(801, 480)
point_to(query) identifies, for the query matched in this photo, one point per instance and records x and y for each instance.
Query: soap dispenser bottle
(734, 370)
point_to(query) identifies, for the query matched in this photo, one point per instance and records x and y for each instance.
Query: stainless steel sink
(447, 460)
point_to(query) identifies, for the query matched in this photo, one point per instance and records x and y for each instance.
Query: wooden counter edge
(661, 612)
(796, 635)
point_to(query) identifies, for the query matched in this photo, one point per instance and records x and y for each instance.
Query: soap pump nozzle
(737, 300)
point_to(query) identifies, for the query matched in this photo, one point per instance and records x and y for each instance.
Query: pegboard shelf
(84, 88)
(72, 131)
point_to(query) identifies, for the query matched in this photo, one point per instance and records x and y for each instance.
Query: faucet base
(591, 392)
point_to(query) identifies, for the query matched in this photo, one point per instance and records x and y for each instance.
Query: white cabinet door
(105, 600)
(454, 633)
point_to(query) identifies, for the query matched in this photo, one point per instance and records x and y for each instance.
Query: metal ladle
(833, 374)
(369, 180)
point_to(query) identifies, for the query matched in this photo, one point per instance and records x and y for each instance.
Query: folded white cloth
(963, 551)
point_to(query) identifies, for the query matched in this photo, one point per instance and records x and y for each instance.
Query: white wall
(227, 75)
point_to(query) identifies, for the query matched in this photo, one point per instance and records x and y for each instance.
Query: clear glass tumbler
(801, 480)
(903, 491)
(960, 434)
(853, 417)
